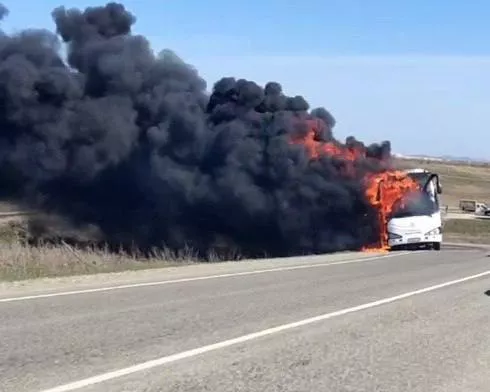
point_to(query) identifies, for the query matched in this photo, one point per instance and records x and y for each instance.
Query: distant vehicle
(482, 209)
(418, 223)
(478, 207)
(468, 205)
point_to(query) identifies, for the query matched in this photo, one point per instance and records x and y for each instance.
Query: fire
(383, 190)
(317, 148)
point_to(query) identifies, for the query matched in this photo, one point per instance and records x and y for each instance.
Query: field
(459, 180)
(472, 231)
(20, 261)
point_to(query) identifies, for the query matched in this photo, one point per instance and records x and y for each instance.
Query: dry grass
(19, 261)
(475, 231)
(459, 180)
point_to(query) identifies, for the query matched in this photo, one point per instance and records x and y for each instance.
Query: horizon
(400, 72)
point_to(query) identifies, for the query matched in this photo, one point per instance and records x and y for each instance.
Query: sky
(414, 72)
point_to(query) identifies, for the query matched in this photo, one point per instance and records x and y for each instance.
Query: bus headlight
(434, 232)
(393, 236)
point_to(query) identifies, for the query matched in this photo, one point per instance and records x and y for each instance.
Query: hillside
(459, 180)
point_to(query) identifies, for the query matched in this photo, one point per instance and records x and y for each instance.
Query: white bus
(418, 223)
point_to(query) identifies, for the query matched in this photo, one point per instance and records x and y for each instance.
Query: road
(455, 215)
(408, 321)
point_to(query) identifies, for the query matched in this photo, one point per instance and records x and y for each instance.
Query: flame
(317, 148)
(383, 190)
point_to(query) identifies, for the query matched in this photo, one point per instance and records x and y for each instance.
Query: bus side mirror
(438, 184)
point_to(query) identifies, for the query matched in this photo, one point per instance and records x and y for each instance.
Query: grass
(20, 261)
(475, 231)
(459, 180)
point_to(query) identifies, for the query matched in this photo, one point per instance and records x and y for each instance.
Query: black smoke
(131, 142)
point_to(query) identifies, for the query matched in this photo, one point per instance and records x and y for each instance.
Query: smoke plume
(131, 142)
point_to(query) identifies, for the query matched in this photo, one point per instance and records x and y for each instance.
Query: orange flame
(383, 189)
(317, 148)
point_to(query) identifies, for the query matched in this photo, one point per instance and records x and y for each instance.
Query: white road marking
(245, 338)
(194, 279)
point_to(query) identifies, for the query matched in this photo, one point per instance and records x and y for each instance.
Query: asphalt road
(412, 321)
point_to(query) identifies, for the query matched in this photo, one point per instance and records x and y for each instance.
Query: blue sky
(411, 71)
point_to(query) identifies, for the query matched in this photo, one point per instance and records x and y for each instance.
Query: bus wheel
(436, 246)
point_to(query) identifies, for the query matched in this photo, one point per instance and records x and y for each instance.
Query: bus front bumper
(413, 240)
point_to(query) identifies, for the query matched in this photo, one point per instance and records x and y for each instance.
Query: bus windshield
(416, 204)
(421, 178)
